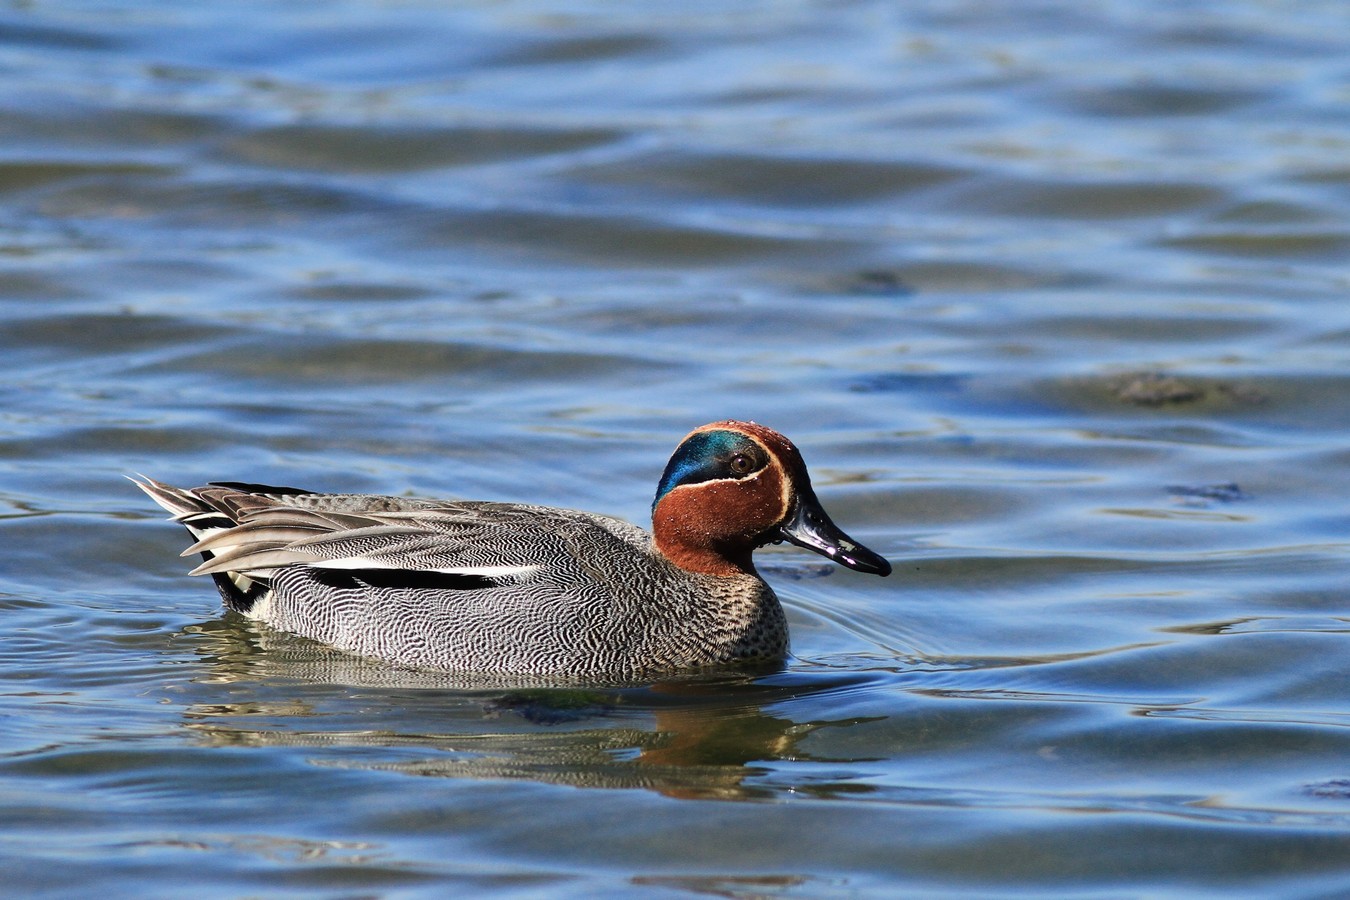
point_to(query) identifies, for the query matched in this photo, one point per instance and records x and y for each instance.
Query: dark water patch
(26, 33)
(928, 507)
(291, 359)
(1283, 244)
(1330, 176)
(759, 98)
(1141, 392)
(1089, 200)
(616, 240)
(358, 292)
(1306, 38)
(1179, 431)
(1153, 99)
(1225, 492)
(135, 439)
(676, 330)
(550, 707)
(743, 885)
(179, 279)
(589, 48)
(1044, 450)
(972, 276)
(795, 571)
(1186, 848)
(363, 148)
(86, 334)
(20, 175)
(34, 286)
(1272, 401)
(1161, 391)
(1141, 329)
(228, 204)
(959, 571)
(872, 282)
(770, 180)
(74, 124)
(910, 383)
(1273, 212)
(916, 279)
(1332, 338)
(1335, 789)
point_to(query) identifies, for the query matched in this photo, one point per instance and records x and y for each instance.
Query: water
(1053, 296)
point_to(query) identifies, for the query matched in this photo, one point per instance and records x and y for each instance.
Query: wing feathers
(277, 535)
(249, 531)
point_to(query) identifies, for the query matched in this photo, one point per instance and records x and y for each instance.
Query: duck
(517, 589)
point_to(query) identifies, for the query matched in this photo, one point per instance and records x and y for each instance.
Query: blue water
(1053, 297)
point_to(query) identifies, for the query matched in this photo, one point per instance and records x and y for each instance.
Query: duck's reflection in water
(695, 737)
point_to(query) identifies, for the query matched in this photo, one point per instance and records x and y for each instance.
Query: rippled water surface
(1055, 297)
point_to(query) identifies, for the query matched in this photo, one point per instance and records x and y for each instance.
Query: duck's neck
(710, 528)
(704, 559)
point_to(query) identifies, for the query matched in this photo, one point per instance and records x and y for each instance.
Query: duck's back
(492, 587)
(472, 586)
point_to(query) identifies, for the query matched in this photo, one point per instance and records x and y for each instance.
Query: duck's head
(733, 486)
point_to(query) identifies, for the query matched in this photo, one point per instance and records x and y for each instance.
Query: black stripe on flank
(400, 578)
(208, 521)
(234, 598)
(247, 488)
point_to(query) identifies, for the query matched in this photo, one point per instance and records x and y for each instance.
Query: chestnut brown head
(733, 486)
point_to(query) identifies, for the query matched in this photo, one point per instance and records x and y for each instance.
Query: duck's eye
(741, 464)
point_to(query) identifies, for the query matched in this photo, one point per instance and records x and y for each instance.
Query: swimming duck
(517, 589)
